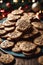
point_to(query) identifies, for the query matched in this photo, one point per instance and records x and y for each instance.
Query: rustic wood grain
(20, 61)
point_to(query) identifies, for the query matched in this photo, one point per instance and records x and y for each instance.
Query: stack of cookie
(23, 33)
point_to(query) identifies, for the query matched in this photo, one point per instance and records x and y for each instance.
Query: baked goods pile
(23, 33)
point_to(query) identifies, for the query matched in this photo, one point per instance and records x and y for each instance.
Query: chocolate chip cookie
(38, 25)
(12, 17)
(23, 25)
(39, 40)
(6, 58)
(27, 46)
(40, 60)
(2, 31)
(8, 23)
(15, 34)
(16, 48)
(6, 44)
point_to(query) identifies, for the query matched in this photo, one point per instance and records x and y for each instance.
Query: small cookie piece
(1, 26)
(40, 60)
(12, 17)
(38, 50)
(23, 25)
(15, 34)
(38, 25)
(17, 47)
(17, 12)
(2, 31)
(8, 23)
(27, 54)
(27, 46)
(0, 40)
(6, 58)
(9, 28)
(39, 40)
(6, 44)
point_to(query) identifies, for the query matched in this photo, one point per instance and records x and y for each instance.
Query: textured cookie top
(27, 46)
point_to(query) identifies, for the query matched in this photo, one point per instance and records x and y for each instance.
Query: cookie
(39, 40)
(2, 31)
(6, 58)
(9, 28)
(0, 40)
(38, 50)
(27, 46)
(15, 34)
(23, 25)
(16, 48)
(8, 23)
(27, 54)
(1, 26)
(32, 33)
(12, 17)
(17, 12)
(5, 36)
(38, 25)
(40, 60)
(6, 44)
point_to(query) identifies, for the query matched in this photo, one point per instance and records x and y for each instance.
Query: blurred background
(6, 6)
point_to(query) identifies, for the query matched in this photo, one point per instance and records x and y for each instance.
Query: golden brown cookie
(8, 23)
(39, 40)
(6, 58)
(1, 26)
(27, 46)
(16, 12)
(15, 34)
(38, 25)
(9, 28)
(40, 60)
(2, 31)
(12, 17)
(16, 48)
(6, 44)
(23, 25)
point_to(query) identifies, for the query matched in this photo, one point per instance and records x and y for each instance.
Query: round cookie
(5, 36)
(33, 32)
(40, 60)
(16, 12)
(2, 31)
(38, 50)
(9, 28)
(6, 44)
(39, 40)
(23, 25)
(16, 48)
(15, 34)
(8, 23)
(1, 26)
(27, 46)
(38, 25)
(12, 17)
(6, 58)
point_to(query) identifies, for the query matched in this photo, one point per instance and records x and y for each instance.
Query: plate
(10, 52)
